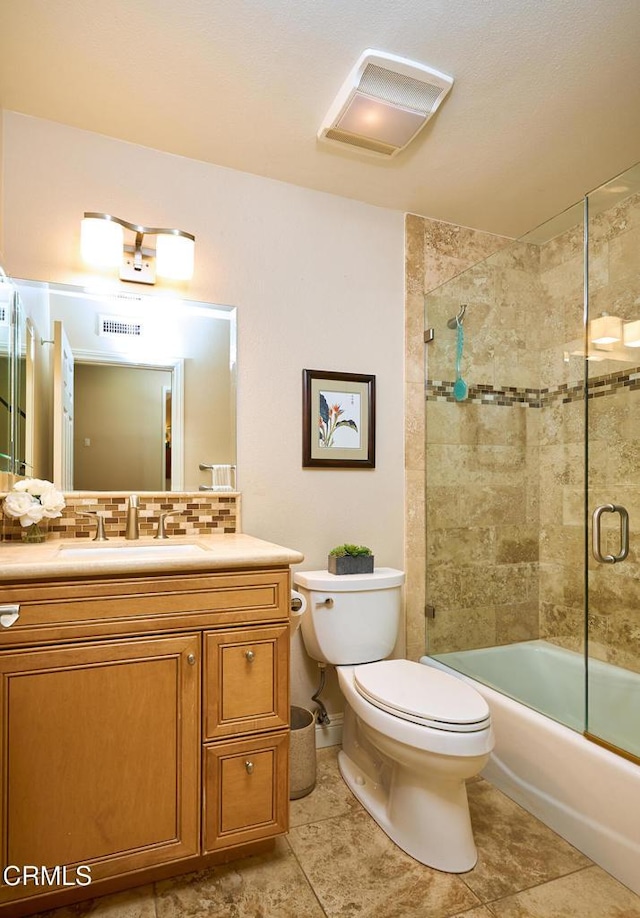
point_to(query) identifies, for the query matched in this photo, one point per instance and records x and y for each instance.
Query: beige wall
(318, 281)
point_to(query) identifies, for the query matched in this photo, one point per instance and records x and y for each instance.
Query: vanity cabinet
(101, 753)
(144, 728)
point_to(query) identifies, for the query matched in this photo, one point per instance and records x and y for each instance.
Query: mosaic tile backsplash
(198, 514)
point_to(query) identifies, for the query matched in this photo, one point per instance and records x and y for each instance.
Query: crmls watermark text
(46, 876)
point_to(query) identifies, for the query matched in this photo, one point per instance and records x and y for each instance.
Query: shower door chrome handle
(596, 538)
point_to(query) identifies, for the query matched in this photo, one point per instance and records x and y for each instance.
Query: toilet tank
(350, 618)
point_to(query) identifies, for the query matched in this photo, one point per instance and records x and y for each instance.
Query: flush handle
(327, 603)
(596, 535)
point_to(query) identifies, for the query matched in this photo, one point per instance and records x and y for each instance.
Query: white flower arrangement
(32, 500)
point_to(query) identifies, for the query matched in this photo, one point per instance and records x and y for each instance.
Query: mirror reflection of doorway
(120, 428)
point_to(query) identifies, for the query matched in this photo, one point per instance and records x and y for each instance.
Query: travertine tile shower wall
(561, 440)
(482, 456)
(614, 436)
(495, 483)
(435, 253)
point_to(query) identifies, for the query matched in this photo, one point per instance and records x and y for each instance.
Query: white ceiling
(545, 105)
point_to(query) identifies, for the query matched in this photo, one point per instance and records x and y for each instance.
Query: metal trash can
(302, 753)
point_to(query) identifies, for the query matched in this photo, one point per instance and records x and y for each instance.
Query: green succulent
(354, 551)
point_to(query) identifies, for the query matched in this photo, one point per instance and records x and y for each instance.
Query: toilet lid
(422, 694)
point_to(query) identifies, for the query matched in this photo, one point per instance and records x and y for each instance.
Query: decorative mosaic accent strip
(609, 385)
(442, 391)
(199, 514)
(437, 390)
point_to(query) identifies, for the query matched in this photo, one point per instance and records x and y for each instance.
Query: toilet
(412, 734)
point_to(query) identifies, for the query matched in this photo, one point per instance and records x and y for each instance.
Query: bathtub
(587, 794)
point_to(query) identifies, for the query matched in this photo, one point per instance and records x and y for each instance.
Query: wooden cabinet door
(100, 754)
(246, 680)
(246, 790)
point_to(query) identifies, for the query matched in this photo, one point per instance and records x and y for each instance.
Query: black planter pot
(351, 564)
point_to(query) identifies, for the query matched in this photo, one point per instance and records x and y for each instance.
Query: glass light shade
(380, 120)
(101, 242)
(606, 330)
(632, 334)
(174, 256)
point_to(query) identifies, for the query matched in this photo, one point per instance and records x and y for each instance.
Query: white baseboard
(330, 735)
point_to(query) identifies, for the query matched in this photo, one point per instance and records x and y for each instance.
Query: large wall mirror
(123, 392)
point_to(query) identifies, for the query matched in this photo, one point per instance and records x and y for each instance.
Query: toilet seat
(423, 695)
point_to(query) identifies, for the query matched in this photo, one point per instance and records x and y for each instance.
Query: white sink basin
(173, 550)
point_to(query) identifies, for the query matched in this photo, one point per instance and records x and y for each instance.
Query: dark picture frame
(338, 420)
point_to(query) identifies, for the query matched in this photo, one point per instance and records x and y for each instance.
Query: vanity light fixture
(606, 329)
(632, 333)
(103, 244)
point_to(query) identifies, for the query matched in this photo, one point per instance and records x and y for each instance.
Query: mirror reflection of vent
(131, 297)
(120, 327)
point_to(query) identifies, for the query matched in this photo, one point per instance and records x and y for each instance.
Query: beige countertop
(57, 558)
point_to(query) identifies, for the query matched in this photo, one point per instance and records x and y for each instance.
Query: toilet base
(419, 802)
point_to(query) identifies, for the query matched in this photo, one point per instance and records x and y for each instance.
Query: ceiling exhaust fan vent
(362, 142)
(398, 88)
(384, 102)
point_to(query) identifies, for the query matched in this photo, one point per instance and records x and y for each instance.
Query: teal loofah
(460, 388)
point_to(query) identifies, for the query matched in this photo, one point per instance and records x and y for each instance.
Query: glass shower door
(504, 470)
(613, 464)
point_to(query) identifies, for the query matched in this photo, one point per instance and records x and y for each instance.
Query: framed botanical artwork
(338, 420)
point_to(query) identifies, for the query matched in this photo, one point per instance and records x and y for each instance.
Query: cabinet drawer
(246, 791)
(246, 680)
(53, 612)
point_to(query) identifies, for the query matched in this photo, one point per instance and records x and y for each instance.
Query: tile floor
(337, 863)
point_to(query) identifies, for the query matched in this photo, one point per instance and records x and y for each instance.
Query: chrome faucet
(133, 528)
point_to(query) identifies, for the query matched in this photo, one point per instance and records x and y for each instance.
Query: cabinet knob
(249, 767)
(250, 655)
(191, 659)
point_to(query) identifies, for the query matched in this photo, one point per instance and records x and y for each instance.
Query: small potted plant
(350, 559)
